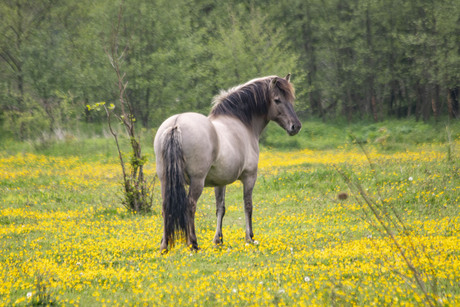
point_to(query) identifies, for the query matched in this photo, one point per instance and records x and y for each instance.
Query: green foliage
(245, 46)
(137, 193)
(355, 59)
(28, 122)
(388, 135)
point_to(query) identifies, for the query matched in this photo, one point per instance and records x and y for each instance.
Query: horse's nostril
(295, 127)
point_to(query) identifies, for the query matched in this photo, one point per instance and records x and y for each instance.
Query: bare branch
(386, 220)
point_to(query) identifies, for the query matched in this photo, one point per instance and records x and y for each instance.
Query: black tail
(175, 198)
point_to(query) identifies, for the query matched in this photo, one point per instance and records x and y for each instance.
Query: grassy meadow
(66, 240)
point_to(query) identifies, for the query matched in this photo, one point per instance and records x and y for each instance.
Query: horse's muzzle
(294, 129)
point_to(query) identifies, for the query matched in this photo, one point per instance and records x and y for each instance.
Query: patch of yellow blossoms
(88, 254)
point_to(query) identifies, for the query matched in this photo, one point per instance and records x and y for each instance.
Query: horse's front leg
(220, 212)
(248, 184)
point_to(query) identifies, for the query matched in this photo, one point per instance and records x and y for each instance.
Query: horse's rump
(198, 140)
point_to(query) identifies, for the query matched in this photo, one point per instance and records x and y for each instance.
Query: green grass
(388, 135)
(65, 239)
(94, 139)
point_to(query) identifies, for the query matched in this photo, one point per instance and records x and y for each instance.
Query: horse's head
(281, 108)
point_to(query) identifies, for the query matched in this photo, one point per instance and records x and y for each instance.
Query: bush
(27, 122)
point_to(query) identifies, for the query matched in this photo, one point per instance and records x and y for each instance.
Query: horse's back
(199, 142)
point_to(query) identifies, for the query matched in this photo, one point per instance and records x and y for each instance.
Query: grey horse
(216, 150)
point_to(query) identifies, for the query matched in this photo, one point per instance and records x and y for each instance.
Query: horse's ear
(273, 82)
(288, 77)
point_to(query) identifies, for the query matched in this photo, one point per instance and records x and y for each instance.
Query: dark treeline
(353, 59)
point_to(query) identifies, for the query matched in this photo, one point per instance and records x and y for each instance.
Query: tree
(375, 58)
(19, 24)
(247, 46)
(359, 58)
(44, 53)
(137, 197)
(20, 21)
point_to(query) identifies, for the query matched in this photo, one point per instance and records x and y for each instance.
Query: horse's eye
(277, 101)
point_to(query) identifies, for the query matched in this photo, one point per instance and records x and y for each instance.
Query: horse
(216, 150)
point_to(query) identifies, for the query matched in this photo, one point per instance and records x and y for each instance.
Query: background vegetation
(350, 59)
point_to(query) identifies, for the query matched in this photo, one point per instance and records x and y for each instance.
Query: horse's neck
(258, 125)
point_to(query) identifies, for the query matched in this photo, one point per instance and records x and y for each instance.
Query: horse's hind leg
(248, 185)
(220, 212)
(164, 241)
(196, 188)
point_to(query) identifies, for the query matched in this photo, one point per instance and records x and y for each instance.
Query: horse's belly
(220, 176)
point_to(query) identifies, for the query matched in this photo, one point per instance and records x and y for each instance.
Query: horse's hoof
(218, 240)
(194, 248)
(163, 248)
(249, 240)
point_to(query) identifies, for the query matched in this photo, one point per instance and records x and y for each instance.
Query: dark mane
(247, 100)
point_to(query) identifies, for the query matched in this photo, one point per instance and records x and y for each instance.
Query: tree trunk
(426, 107)
(314, 94)
(435, 105)
(370, 65)
(146, 110)
(453, 102)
